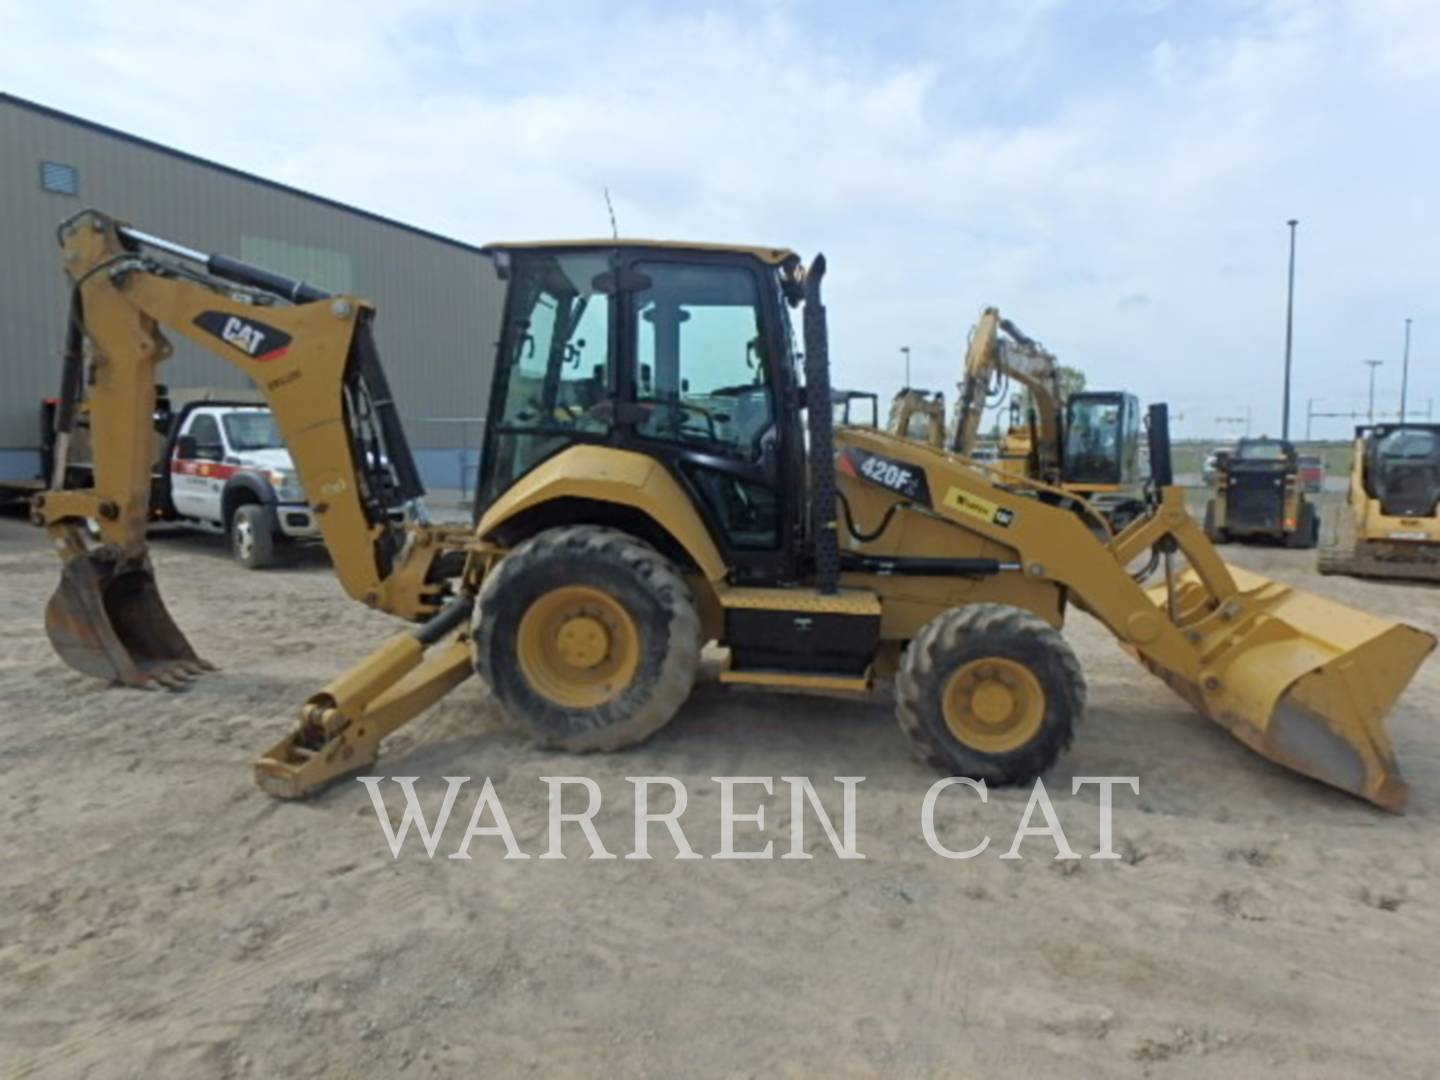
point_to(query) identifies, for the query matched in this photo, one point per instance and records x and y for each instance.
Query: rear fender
(619, 477)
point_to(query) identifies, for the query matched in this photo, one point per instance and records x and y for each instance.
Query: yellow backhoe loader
(650, 490)
(1389, 524)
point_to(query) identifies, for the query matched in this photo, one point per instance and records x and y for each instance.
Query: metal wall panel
(438, 301)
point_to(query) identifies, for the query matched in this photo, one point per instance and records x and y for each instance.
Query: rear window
(1408, 444)
(1261, 451)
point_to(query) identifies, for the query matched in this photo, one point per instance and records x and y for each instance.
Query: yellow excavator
(651, 480)
(1087, 443)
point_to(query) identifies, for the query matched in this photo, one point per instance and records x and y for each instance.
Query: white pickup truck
(225, 468)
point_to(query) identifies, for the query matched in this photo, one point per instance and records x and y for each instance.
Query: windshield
(1414, 445)
(1092, 441)
(252, 431)
(1261, 451)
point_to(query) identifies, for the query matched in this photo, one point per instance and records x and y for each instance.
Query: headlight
(287, 486)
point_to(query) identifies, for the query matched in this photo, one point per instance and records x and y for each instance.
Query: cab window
(555, 378)
(700, 366)
(1092, 441)
(205, 430)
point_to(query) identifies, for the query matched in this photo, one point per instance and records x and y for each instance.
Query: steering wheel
(683, 407)
(738, 390)
(534, 412)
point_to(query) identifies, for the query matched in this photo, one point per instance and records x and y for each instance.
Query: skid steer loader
(1258, 494)
(1389, 525)
(645, 487)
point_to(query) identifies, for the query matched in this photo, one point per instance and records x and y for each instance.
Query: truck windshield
(252, 431)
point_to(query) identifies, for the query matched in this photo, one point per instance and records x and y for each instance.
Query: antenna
(614, 229)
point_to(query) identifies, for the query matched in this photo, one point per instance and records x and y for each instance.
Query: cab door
(706, 374)
(195, 467)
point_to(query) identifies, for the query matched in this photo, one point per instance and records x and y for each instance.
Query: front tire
(991, 692)
(252, 536)
(588, 638)
(1307, 529)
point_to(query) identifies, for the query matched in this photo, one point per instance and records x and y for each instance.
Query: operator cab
(684, 355)
(1402, 468)
(1102, 439)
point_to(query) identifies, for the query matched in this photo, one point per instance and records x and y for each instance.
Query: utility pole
(906, 350)
(1405, 371)
(1289, 331)
(1373, 365)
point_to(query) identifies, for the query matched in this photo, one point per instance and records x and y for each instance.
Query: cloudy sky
(1115, 175)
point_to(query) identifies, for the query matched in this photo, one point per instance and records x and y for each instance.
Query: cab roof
(772, 255)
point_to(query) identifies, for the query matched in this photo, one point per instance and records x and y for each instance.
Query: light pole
(1289, 331)
(1405, 371)
(1373, 365)
(906, 350)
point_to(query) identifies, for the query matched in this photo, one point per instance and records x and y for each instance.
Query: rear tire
(991, 692)
(588, 638)
(252, 536)
(1307, 529)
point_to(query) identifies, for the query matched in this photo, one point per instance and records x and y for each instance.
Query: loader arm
(1018, 357)
(313, 358)
(1300, 679)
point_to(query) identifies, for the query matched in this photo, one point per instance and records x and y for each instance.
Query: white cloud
(1120, 190)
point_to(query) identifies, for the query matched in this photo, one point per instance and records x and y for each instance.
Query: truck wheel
(1214, 535)
(1306, 533)
(588, 638)
(252, 536)
(991, 692)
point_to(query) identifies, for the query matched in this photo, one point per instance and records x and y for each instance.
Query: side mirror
(185, 447)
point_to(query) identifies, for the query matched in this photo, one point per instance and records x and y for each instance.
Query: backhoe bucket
(107, 620)
(1302, 680)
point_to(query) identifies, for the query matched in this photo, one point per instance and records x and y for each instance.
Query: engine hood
(278, 458)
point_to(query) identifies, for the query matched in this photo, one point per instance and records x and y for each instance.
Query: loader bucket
(1304, 681)
(106, 619)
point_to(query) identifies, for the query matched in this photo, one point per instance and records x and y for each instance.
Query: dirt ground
(160, 917)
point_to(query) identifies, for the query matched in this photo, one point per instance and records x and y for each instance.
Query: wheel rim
(578, 647)
(244, 539)
(993, 705)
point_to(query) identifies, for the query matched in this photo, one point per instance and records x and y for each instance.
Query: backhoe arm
(313, 358)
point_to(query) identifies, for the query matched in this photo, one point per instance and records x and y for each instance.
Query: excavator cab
(1100, 453)
(1402, 469)
(1102, 440)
